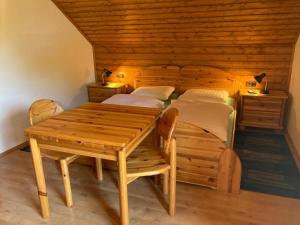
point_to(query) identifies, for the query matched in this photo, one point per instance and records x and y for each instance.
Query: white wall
(294, 108)
(42, 55)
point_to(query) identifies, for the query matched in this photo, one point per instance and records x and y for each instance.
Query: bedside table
(98, 92)
(262, 110)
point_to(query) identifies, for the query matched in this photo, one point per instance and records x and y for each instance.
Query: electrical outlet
(120, 75)
(250, 84)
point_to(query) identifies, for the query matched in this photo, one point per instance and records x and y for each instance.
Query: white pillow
(158, 92)
(134, 100)
(207, 95)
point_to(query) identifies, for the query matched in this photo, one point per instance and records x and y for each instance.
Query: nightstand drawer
(99, 93)
(102, 92)
(268, 119)
(262, 104)
(97, 99)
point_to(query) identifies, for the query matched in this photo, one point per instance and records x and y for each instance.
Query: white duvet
(134, 100)
(210, 116)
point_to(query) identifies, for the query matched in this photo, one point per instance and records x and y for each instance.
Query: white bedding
(213, 117)
(134, 100)
(210, 116)
(158, 92)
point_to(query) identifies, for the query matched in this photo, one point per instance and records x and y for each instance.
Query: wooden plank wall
(165, 38)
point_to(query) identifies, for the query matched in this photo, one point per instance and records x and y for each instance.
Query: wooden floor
(98, 203)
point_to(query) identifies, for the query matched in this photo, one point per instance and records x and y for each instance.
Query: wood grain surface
(98, 203)
(224, 37)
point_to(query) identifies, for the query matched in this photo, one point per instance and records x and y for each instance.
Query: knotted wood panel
(237, 37)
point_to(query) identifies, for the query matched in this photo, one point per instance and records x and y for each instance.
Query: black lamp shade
(106, 73)
(260, 77)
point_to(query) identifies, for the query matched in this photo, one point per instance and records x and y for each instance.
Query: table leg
(99, 171)
(40, 177)
(123, 188)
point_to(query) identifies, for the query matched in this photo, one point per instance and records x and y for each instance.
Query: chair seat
(146, 161)
(58, 155)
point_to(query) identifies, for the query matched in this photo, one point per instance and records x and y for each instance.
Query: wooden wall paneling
(237, 37)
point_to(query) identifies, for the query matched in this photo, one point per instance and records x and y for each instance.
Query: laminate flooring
(98, 203)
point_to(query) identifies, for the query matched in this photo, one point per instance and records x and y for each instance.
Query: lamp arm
(266, 91)
(103, 79)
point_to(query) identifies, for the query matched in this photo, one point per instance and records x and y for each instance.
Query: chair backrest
(43, 109)
(166, 126)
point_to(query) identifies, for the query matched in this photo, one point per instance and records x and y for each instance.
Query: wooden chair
(149, 161)
(41, 110)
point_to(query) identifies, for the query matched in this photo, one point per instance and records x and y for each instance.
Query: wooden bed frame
(203, 158)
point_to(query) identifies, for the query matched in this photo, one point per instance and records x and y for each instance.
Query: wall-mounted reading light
(105, 73)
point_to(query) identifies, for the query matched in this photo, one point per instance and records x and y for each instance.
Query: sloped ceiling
(237, 37)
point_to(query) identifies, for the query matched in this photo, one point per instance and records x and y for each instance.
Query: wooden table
(103, 131)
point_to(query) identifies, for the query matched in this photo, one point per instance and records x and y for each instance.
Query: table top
(272, 94)
(109, 85)
(96, 123)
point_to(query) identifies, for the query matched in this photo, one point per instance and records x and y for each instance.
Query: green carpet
(268, 165)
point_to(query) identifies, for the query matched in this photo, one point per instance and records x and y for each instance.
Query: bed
(203, 158)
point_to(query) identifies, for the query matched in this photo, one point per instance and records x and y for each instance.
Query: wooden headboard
(188, 80)
(183, 84)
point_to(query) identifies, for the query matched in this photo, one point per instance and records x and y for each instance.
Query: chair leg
(172, 194)
(99, 171)
(67, 184)
(166, 183)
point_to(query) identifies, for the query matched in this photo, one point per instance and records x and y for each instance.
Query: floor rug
(268, 165)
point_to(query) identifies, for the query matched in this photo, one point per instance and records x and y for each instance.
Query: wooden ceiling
(239, 38)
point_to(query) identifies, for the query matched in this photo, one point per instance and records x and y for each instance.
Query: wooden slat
(74, 149)
(112, 114)
(96, 123)
(58, 124)
(162, 7)
(118, 108)
(243, 37)
(104, 121)
(197, 179)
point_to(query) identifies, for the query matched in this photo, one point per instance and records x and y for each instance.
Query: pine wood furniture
(98, 93)
(96, 130)
(41, 110)
(262, 110)
(202, 158)
(155, 160)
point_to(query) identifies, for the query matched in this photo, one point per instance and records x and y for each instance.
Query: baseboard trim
(18, 147)
(294, 150)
